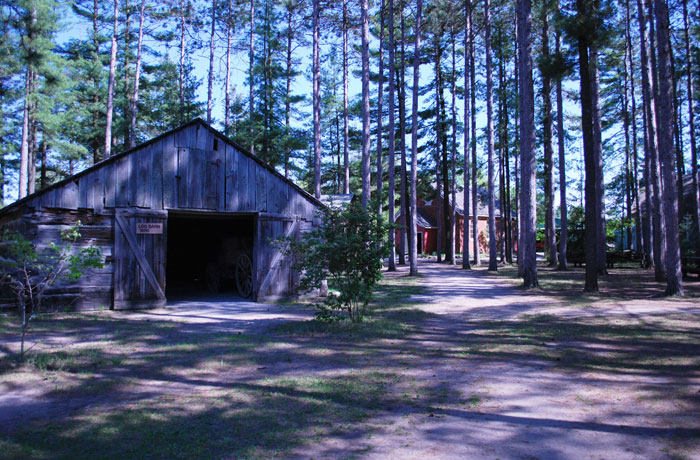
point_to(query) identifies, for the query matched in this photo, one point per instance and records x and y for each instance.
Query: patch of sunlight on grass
(255, 419)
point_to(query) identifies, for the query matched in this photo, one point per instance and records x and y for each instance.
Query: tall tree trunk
(2, 181)
(472, 116)
(628, 153)
(414, 141)
(659, 224)
(508, 223)
(31, 176)
(338, 171)
(346, 147)
(466, 263)
(110, 88)
(127, 68)
(365, 104)
(380, 114)
(42, 178)
(501, 197)
(181, 74)
(317, 99)
(449, 257)
(288, 88)
(404, 202)
(227, 78)
(640, 242)
(674, 283)
(96, 82)
(550, 222)
(441, 175)
(563, 211)
(598, 158)
(440, 199)
(137, 76)
(649, 243)
(516, 71)
(210, 76)
(587, 102)
(493, 262)
(649, 100)
(251, 66)
(392, 139)
(453, 248)
(502, 146)
(680, 158)
(691, 114)
(527, 146)
(24, 164)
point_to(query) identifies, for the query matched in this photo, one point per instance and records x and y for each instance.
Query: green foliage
(690, 239)
(29, 271)
(346, 250)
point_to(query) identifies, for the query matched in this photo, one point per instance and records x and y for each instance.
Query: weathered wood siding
(192, 168)
(43, 227)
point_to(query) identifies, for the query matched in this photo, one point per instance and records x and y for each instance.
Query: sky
(72, 28)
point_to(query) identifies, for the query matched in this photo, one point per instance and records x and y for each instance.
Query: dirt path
(516, 405)
(484, 371)
(26, 398)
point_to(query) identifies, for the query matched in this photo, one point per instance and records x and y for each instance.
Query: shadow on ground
(190, 383)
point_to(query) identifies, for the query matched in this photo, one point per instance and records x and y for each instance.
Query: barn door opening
(210, 255)
(140, 240)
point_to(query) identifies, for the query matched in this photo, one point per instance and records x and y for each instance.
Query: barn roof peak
(171, 132)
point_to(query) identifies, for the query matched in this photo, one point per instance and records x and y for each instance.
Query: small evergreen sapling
(347, 251)
(29, 271)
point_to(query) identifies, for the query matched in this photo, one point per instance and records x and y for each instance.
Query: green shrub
(29, 271)
(347, 251)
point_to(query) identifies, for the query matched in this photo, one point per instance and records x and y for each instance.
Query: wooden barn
(186, 213)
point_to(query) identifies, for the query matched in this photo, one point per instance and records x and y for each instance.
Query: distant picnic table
(690, 265)
(611, 258)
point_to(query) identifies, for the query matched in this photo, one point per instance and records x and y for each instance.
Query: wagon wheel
(244, 275)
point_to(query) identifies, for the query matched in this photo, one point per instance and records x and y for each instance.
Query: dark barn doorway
(208, 255)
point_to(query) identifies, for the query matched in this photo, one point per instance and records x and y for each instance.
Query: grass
(166, 390)
(393, 314)
(623, 282)
(157, 391)
(257, 420)
(664, 344)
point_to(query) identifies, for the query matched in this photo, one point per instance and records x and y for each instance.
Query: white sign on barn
(149, 228)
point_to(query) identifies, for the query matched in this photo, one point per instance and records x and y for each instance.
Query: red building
(429, 211)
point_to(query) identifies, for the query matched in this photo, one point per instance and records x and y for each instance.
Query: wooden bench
(577, 259)
(690, 265)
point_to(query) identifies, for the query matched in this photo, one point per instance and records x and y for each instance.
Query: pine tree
(392, 138)
(528, 265)
(110, 88)
(412, 249)
(365, 104)
(549, 225)
(563, 211)
(690, 87)
(316, 99)
(493, 263)
(10, 65)
(466, 263)
(674, 284)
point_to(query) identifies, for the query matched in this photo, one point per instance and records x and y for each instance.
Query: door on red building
(420, 242)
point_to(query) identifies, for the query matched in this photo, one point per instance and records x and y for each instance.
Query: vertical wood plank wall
(190, 169)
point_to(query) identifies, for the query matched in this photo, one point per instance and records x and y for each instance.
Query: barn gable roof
(197, 121)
